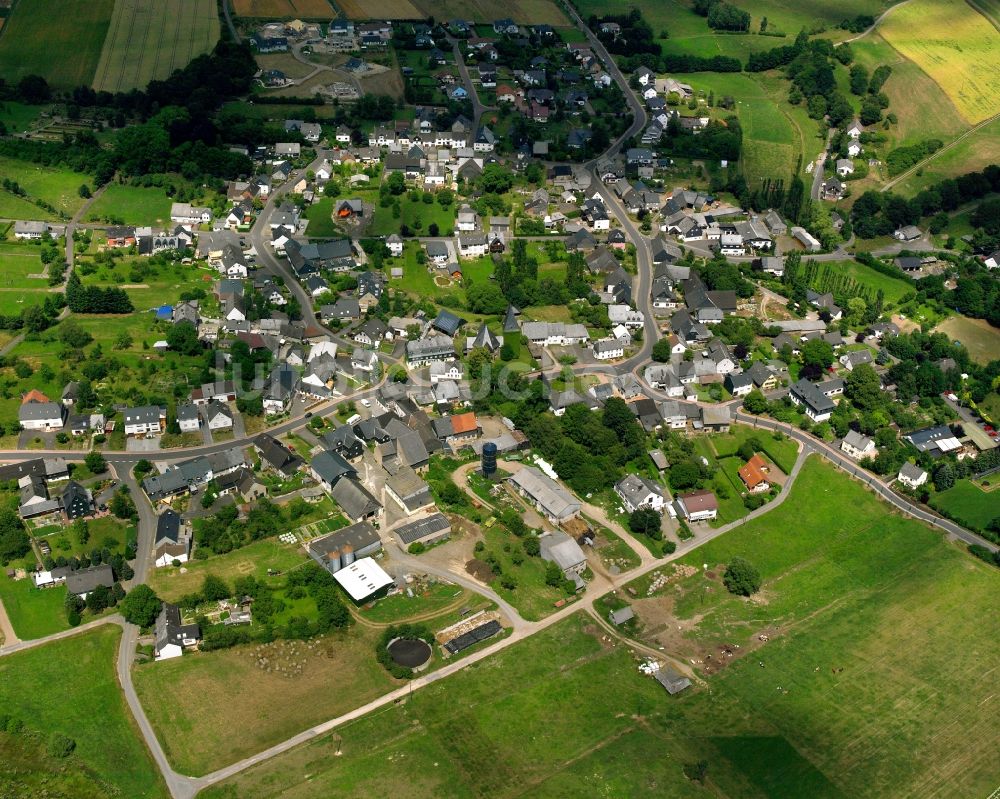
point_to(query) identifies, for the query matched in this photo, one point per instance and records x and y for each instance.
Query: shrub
(60, 745)
(741, 577)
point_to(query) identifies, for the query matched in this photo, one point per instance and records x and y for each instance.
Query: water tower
(489, 460)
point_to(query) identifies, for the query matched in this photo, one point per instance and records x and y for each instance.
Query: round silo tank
(336, 563)
(348, 554)
(489, 459)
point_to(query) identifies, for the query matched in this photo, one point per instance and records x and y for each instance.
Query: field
(866, 610)
(40, 29)
(271, 9)
(58, 187)
(148, 40)
(523, 12)
(391, 9)
(980, 338)
(171, 584)
(243, 708)
(968, 504)
(866, 276)
(978, 149)
(34, 613)
(70, 687)
(17, 265)
(954, 44)
(131, 205)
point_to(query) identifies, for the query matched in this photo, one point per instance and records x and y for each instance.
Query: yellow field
(379, 9)
(523, 12)
(980, 338)
(278, 9)
(956, 46)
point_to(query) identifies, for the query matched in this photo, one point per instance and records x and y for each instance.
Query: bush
(669, 547)
(416, 548)
(741, 578)
(60, 745)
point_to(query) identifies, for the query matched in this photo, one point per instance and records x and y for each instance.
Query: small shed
(622, 615)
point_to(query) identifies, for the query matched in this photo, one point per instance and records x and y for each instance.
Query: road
(817, 184)
(477, 106)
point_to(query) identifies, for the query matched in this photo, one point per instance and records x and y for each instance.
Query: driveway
(142, 445)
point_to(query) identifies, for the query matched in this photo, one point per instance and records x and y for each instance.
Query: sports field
(280, 9)
(70, 687)
(875, 682)
(61, 41)
(148, 40)
(954, 44)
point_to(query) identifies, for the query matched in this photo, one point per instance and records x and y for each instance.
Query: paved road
(477, 106)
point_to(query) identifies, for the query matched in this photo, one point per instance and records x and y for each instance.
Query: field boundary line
(995, 22)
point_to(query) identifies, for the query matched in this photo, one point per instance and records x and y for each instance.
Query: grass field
(58, 187)
(17, 262)
(980, 338)
(866, 276)
(18, 117)
(148, 40)
(70, 687)
(320, 216)
(270, 9)
(40, 29)
(131, 205)
(34, 613)
(230, 721)
(171, 584)
(974, 152)
(968, 504)
(954, 44)
(14, 207)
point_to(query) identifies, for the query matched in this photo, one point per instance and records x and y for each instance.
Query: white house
(188, 418)
(698, 506)
(608, 348)
(41, 415)
(858, 446)
(144, 420)
(395, 244)
(911, 475)
(171, 637)
(187, 214)
(219, 416)
(638, 492)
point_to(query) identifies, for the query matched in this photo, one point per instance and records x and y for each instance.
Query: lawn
(782, 450)
(14, 207)
(70, 687)
(968, 504)
(131, 205)
(34, 612)
(255, 559)
(58, 187)
(977, 150)
(956, 46)
(148, 40)
(426, 601)
(243, 708)
(413, 213)
(18, 117)
(150, 285)
(320, 216)
(978, 336)
(60, 41)
(17, 262)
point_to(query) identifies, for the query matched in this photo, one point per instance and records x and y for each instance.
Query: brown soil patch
(480, 570)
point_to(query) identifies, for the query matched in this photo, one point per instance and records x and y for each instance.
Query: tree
(645, 521)
(944, 476)
(123, 341)
(143, 467)
(755, 402)
(741, 577)
(661, 351)
(84, 191)
(553, 574)
(532, 547)
(122, 506)
(14, 541)
(817, 353)
(95, 462)
(495, 179)
(141, 606)
(183, 338)
(214, 588)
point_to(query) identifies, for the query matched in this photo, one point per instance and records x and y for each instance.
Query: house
(173, 539)
(697, 506)
(638, 492)
(328, 468)
(815, 403)
(907, 233)
(34, 415)
(76, 501)
(992, 261)
(219, 416)
(187, 214)
(371, 332)
(562, 550)
(549, 498)
(908, 263)
(935, 441)
(437, 252)
(34, 497)
(855, 358)
(170, 636)
(349, 209)
(845, 167)
(30, 231)
(409, 491)
(858, 446)
(754, 473)
(344, 441)
(394, 243)
(430, 349)
(738, 384)
(341, 548)
(145, 420)
(83, 581)
(549, 333)
(911, 475)
(355, 500)
(287, 149)
(608, 349)
(274, 456)
(345, 308)
(119, 236)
